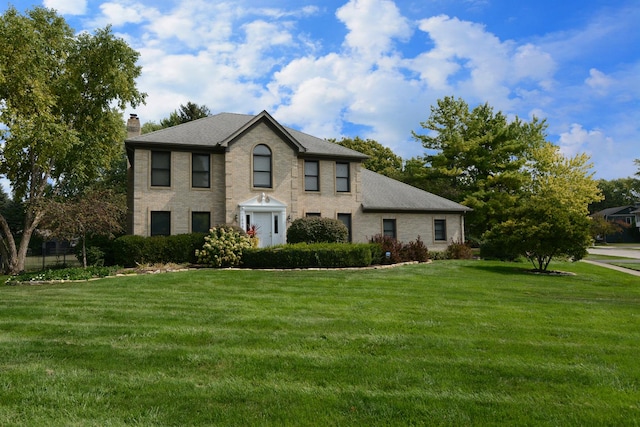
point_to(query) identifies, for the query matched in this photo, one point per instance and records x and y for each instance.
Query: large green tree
(617, 192)
(381, 159)
(61, 102)
(550, 218)
(476, 157)
(184, 114)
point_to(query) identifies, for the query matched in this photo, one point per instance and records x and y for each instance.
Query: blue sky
(373, 68)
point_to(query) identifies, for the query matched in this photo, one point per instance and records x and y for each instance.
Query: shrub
(389, 249)
(181, 248)
(95, 256)
(303, 255)
(178, 249)
(62, 274)
(100, 250)
(415, 251)
(129, 250)
(155, 250)
(399, 252)
(457, 250)
(223, 247)
(317, 230)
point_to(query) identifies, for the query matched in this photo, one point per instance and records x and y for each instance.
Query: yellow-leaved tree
(551, 216)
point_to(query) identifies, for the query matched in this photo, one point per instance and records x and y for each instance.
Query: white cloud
(119, 13)
(612, 157)
(372, 25)
(67, 7)
(316, 107)
(296, 13)
(245, 59)
(251, 56)
(598, 81)
(469, 60)
(578, 140)
(531, 62)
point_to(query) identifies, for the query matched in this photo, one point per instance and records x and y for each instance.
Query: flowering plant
(253, 231)
(223, 247)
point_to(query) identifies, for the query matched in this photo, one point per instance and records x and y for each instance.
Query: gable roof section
(619, 210)
(264, 117)
(221, 130)
(381, 193)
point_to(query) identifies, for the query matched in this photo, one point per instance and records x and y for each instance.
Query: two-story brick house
(250, 170)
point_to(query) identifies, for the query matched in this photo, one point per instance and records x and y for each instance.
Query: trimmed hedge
(318, 255)
(180, 248)
(317, 230)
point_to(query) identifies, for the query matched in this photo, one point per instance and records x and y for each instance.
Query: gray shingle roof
(385, 194)
(619, 210)
(220, 129)
(379, 192)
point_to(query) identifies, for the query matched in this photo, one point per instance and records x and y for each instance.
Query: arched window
(262, 166)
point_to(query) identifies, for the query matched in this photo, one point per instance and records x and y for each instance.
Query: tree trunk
(18, 257)
(84, 251)
(9, 247)
(22, 250)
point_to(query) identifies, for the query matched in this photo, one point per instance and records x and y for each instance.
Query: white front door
(269, 217)
(264, 223)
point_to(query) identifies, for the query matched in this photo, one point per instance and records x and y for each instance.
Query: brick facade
(231, 174)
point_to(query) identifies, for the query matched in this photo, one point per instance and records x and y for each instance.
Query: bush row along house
(251, 170)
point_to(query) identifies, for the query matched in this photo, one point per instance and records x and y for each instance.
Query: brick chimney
(133, 126)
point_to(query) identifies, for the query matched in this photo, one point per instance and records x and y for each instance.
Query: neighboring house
(630, 215)
(250, 170)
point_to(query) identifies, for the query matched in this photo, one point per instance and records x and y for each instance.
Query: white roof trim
(263, 200)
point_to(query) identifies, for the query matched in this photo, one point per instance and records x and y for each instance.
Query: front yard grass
(448, 343)
(629, 265)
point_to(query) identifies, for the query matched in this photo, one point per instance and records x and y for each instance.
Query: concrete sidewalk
(626, 252)
(631, 253)
(613, 267)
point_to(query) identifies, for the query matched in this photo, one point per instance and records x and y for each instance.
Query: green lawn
(449, 343)
(629, 265)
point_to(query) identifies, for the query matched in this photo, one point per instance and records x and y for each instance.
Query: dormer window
(262, 167)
